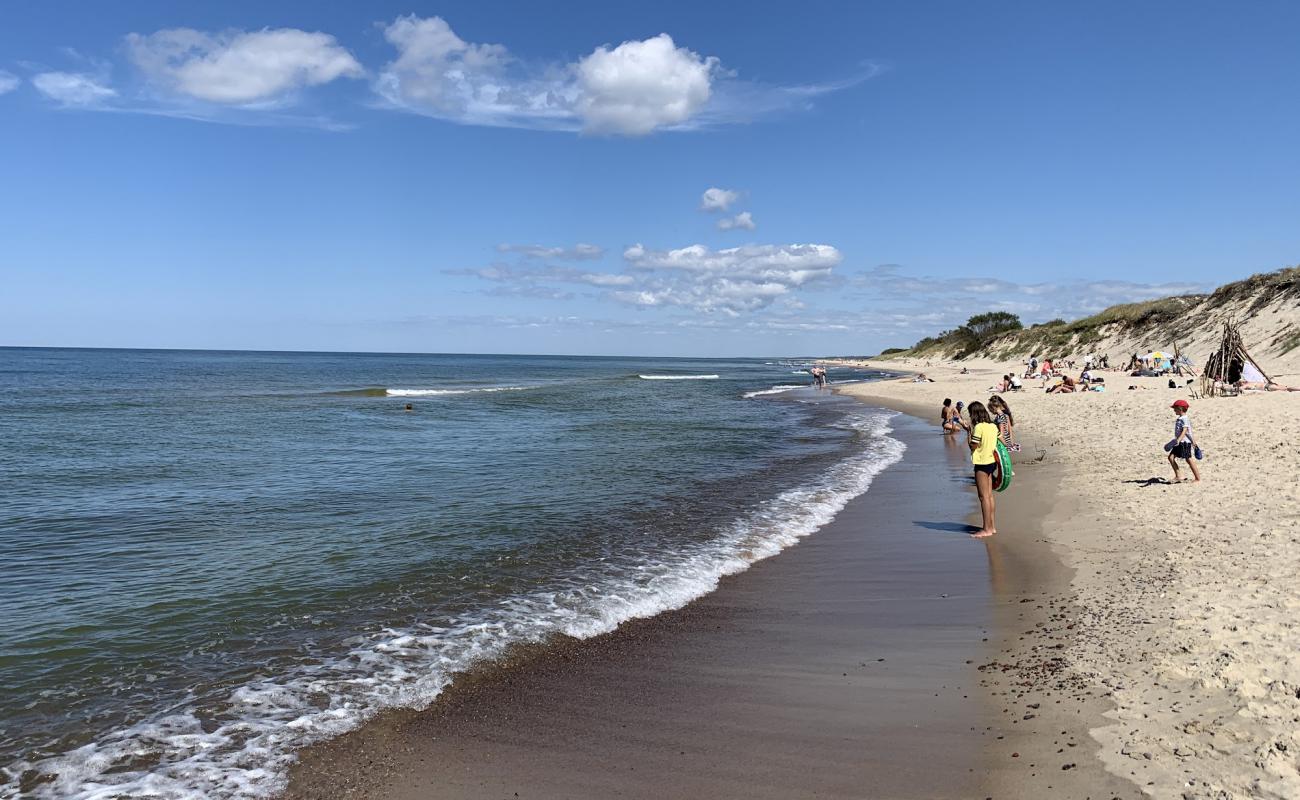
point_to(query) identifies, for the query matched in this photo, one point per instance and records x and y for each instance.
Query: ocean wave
(248, 753)
(778, 389)
(678, 377)
(436, 392)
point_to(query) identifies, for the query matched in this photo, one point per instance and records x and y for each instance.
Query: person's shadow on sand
(946, 527)
(1152, 482)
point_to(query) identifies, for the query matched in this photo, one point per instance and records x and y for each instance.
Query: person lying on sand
(1066, 386)
(1269, 386)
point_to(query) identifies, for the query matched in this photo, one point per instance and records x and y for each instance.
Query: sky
(669, 178)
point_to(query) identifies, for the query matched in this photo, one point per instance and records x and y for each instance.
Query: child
(956, 416)
(1004, 421)
(945, 417)
(1183, 445)
(983, 445)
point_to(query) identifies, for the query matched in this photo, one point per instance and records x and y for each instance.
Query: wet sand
(886, 656)
(1039, 712)
(844, 667)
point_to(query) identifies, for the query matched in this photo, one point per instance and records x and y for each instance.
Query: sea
(209, 560)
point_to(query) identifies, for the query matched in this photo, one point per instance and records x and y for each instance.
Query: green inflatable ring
(1002, 471)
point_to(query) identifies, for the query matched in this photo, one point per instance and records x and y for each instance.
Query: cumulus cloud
(8, 82)
(729, 281)
(793, 263)
(640, 86)
(240, 67)
(632, 89)
(579, 252)
(439, 74)
(73, 89)
(742, 220)
(715, 199)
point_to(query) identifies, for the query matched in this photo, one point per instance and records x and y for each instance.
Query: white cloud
(742, 220)
(715, 199)
(633, 89)
(503, 273)
(638, 87)
(730, 281)
(793, 263)
(73, 89)
(579, 252)
(239, 67)
(439, 74)
(8, 82)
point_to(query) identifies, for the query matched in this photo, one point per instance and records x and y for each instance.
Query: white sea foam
(678, 377)
(785, 387)
(435, 392)
(248, 754)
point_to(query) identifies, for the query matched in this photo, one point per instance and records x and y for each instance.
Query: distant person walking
(983, 446)
(1183, 445)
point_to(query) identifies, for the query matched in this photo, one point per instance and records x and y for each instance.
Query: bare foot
(982, 533)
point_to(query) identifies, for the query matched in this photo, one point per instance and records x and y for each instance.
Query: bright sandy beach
(1182, 607)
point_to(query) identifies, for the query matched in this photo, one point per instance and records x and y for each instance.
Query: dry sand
(1181, 615)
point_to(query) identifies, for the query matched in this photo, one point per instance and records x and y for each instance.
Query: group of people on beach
(989, 424)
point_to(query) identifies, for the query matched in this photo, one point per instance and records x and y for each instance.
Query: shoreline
(1039, 739)
(847, 660)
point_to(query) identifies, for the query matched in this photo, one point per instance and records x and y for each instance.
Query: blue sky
(525, 177)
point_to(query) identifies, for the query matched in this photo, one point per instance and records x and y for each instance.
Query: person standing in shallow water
(983, 446)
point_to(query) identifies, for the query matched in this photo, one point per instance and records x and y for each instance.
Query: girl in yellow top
(983, 447)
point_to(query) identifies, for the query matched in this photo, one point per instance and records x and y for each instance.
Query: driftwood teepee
(1230, 363)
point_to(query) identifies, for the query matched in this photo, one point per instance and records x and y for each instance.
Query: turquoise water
(211, 558)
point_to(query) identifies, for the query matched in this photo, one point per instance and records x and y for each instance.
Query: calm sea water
(210, 559)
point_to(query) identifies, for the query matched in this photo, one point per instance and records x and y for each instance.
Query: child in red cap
(1183, 445)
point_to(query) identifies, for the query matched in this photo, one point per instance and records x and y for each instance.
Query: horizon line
(397, 352)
